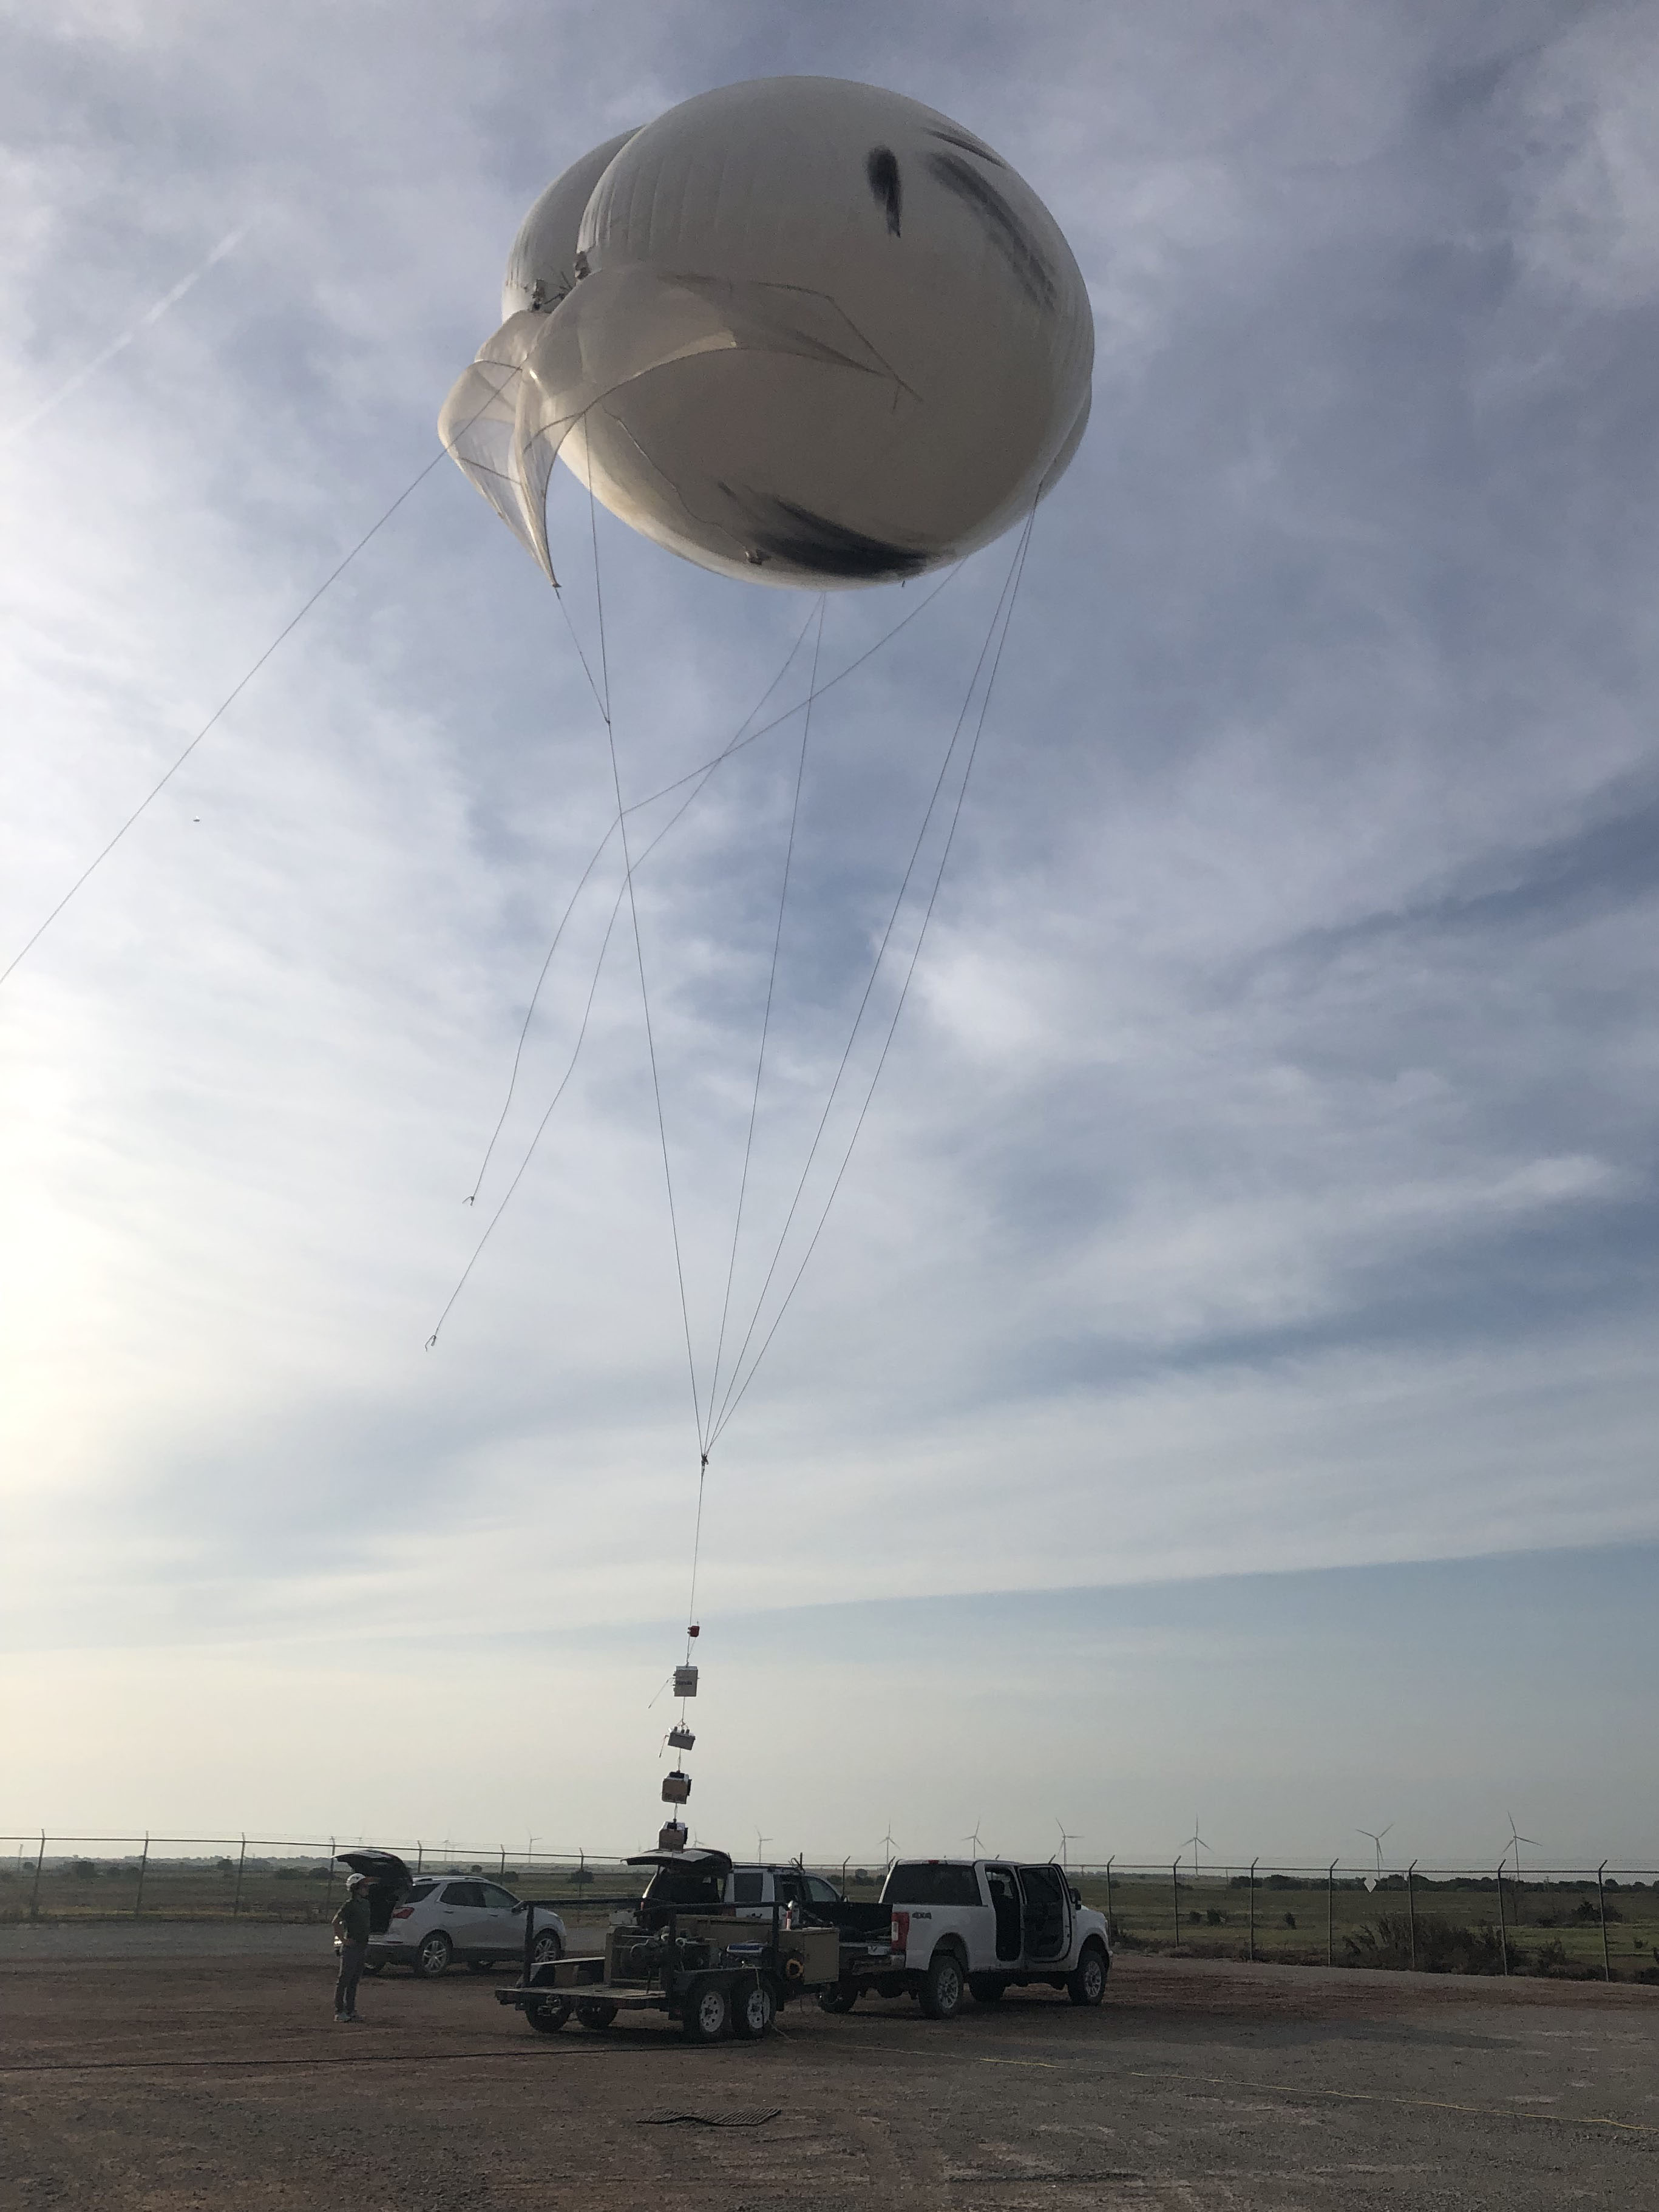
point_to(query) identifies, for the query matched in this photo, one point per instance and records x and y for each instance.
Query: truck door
(1006, 1901)
(1047, 1912)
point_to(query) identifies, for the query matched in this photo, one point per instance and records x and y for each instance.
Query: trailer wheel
(1087, 1986)
(986, 1989)
(433, 1955)
(596, 2013)
(754, 2010)
(838, 1998)
(707, 2013)
(548, 2017)
(942, 1986)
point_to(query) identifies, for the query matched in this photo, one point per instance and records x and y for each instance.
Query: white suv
(449, 1917)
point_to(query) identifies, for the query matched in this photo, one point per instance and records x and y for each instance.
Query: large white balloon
(810, 333)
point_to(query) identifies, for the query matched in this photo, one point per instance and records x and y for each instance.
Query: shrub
(1443, 1946)
(82, 1870)
(1290, 1920)
(1589, 1910)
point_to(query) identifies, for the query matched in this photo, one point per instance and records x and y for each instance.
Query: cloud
(1262, 1172)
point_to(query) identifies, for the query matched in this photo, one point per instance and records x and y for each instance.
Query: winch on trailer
(684, 1950)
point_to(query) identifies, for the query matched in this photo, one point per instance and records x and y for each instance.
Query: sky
(1224, 1390)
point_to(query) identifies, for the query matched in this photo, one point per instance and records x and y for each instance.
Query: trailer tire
(1087, 1986)
(839, 1998)
(433, 1955)
(596, 2013)
(707, 2013)
(942, 1986)
(986, 1989)
(548, 2017)
(754, 2010)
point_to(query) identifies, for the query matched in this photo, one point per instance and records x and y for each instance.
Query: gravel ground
(173, 2074)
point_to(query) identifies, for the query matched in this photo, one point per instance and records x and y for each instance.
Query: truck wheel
(754, 2010)
(986, 1989)
(707, 2013)
(548, 2017)
(942, 1986)
(596, 2013)
(1087, 1984)
(433, 1957)
(838, 1999)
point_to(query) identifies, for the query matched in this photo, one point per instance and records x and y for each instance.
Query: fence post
(1602, 1902)
(1251, 1948)
(420, 1853)
(1502, 1931)
(1174, 1891)
(35, 1893)
(143, 1868)
(236, 1902)
(1330, 1914)
(1411, 1910)
(1108, 1899)
(328, 1891)
(502, 1869)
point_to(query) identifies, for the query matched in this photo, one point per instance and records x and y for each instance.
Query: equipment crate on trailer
(694, 1959)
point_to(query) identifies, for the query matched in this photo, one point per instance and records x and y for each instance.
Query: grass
(1552, 1927)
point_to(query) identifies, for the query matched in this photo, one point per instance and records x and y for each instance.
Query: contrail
(226, 245)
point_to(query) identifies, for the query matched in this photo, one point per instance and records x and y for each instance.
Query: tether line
(639, 942)
(224, 705)
(530, 1153)
(598, 853)
(766, 1018)
(1005, 600)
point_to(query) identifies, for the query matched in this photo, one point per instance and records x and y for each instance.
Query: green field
(1551, 1925)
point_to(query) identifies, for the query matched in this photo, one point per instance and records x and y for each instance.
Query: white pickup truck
(977, 1925)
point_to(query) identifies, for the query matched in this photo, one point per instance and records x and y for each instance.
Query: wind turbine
(1376, 1835)
(1065, 1837)
(887, 1843)
(761, 1842)
(974, 1839)
(1198, 1845)
(1516, 1841)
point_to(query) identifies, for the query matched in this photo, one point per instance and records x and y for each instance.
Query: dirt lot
(138, 2072)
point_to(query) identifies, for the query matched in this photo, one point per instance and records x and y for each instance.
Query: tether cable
(1005, 600)
(228, 701)
(1010, 595)
(598, 853)
(766, 1020)
(639, 942)
(530, 1153)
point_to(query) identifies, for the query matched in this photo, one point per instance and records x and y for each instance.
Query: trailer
(700, 1963)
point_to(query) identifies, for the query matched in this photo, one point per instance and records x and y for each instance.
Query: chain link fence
(1569, 1923)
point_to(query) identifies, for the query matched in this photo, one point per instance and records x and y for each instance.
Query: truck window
(924, 1883)
(749, 1888)
(819, 1892)
(687, 1885)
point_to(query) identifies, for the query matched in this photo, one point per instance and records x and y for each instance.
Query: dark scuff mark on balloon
(781, 530)
(1006, 232)
(968, 144)
(882, 170)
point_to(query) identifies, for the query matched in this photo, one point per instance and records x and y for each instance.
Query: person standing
(351, 1930)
